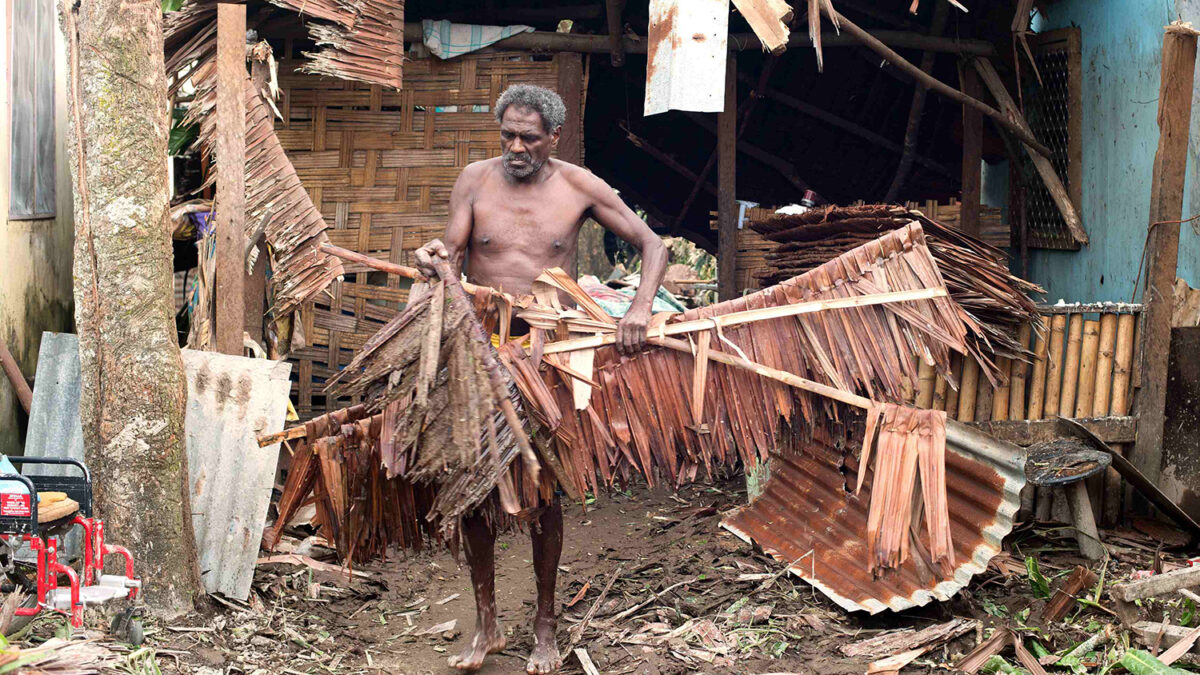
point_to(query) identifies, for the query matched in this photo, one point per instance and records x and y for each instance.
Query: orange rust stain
(659, 30)
(698, 37)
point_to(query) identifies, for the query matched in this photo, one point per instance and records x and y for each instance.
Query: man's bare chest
(548, 223)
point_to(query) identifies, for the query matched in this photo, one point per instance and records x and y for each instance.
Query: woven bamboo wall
(380, 166)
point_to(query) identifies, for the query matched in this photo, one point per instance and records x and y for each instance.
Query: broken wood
(1038, 154)
(1149, 633)
(876, 45)
(1064, 597)
(769, 20)
(893, 642)
(1159, 584)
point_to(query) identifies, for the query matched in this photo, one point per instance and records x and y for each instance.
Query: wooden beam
(667, 159)
(616, 30)
(1162, 248)
(1041, 162)
(785, 168)
(727, 208)
(544, 41)
(972, 153)
(862, 132)
(874, 42)
(1024, 433)
(231, 177)
(916, 109)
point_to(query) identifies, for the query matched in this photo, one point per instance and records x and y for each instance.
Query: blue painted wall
(1121, 59)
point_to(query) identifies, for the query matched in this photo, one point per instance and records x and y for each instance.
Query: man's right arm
(453, 244)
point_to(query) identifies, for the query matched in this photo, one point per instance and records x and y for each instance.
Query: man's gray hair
(541, 100)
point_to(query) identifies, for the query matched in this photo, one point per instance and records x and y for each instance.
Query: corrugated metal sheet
(685, 56)
(231, 399)
(809, 517)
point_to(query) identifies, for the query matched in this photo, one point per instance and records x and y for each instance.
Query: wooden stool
(1066, 463)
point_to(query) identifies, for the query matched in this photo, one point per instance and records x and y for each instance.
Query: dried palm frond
(365, 41)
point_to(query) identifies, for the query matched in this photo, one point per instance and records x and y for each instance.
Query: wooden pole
(1070, 383)
(727, 209)
(231, 177)
(1054, 378)
(1016, 379)
(570, 139)
(1037, 385)
(1085, 395)
(939, 392)
(256, 279)
(968, 389)
(13, 371)
(616, 46)
(1162, 250)
(972, 153)
(1104, 365)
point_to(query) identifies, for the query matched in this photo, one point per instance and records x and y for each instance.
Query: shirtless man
(510, 218)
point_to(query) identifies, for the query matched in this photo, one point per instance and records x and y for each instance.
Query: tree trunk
(133, 389)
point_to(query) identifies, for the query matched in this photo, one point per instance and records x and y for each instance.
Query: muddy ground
(686, 597)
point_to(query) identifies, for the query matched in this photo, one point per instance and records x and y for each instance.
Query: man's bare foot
(485, 642)
(544, 659)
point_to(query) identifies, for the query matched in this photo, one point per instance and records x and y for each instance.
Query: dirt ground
(686, 597)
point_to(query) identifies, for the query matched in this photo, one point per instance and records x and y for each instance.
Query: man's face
(525, 143)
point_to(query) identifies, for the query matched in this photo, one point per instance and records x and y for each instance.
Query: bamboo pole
(925, 375)
(939, 392)
(956, 369)
(1037, 383)
(1070, 383)
(983, 400)
(1017, 379)
(1119, 405)
(1058, 326)
(1104, 365)
(1000, 395)
(968, 389)
(1087, 369)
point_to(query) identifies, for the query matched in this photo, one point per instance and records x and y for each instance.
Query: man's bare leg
(547, 548)
(479, 541)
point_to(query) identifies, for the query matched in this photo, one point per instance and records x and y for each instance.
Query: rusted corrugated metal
(809, 517)
(685, 59)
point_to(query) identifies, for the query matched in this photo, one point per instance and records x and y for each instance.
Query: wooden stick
(1104, 365)
(968, 390)
(279, 436)
(925, 375)
(1001, 394)
(700, 377)
(399, 270)
(1070, 383)
(1087, 369)
(1054, 378)
(1016, 379)
(1041, 160)
(1037, 387)
(10, 367)
(751, 315)
(889, 55)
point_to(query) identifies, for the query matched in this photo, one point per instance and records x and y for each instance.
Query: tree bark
(133, 388)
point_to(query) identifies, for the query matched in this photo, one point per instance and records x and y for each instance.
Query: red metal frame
(48, 567)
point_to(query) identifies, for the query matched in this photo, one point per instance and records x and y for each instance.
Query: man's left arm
(610, 211)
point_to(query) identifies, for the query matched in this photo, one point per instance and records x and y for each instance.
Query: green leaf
(1189, 613)
(1039, 650)
(171, 5)
(1039, 584)
(997, 664)
(1139, 662)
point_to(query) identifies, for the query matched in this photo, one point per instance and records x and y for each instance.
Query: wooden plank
(727, 209)
(1162, 249)
(769, 20)
(231, 177)
(972, 153)
(1054, 185)
(1027, 432)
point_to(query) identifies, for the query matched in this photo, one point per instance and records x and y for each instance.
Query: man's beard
(531, 166)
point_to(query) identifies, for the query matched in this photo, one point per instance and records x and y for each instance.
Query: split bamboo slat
(1070, 383)
(1017, 379)
(1119, 405)
(1104, 365)
(1001, 394)
(956, 369)
(379, 164)
(1054, 377)
(925, 386)
(970, 387)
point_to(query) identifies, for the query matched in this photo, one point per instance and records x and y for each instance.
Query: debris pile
(994, 301)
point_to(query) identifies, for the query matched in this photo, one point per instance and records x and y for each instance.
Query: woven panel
(380, 165)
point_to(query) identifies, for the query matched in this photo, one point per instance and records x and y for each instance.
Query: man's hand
(631, 331)
(427, 255)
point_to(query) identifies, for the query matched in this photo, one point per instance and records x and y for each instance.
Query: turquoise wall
(1121, 59)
